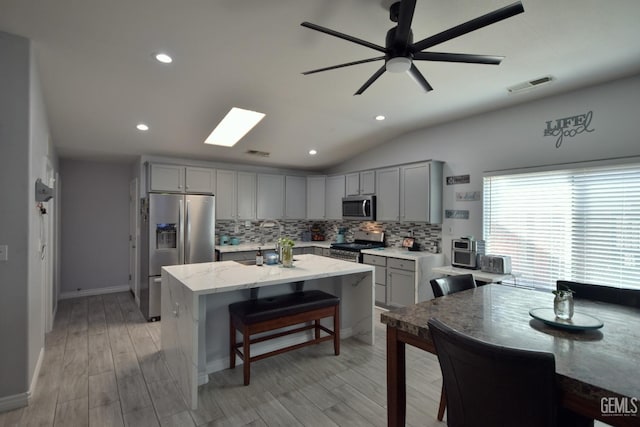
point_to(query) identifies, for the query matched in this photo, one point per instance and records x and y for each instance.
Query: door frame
(134, 238)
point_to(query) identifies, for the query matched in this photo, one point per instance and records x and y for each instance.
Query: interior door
(199, 229)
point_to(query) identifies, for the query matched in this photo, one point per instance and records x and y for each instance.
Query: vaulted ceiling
(100, 79)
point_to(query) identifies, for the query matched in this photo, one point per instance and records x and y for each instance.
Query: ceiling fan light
(399, 64)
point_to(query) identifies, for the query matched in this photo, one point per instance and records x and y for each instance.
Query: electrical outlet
(4, 253)
(236, 228)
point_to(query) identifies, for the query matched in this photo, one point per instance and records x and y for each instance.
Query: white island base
(195, 316)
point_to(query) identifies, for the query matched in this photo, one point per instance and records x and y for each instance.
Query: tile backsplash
(429, 236)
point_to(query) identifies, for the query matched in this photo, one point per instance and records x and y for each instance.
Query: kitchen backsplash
(429, 236)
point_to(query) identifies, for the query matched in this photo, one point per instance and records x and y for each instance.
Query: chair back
(452, 284)
(490, 385)
(628, 297)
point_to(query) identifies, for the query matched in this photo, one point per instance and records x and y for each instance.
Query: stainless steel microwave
(359, 207)
(465, 252)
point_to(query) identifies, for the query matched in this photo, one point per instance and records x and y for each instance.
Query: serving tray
(579, 321)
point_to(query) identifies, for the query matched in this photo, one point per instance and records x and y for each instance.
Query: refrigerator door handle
(187, 234)
(181, 232)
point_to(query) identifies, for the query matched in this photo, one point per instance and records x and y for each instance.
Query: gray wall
(24, 148)
(95, 225)
(513, 138)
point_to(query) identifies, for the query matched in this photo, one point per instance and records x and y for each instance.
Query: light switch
(4, 253)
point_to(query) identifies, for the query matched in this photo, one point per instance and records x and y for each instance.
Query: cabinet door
(270, 196)
(352, 184)
(316, 188)
(414, 193)
(317, 251)
(368, 182)
(388, 201)
(225, 194)
(295, 197)
(335, 193)
(400, 287)
(200, 180)
(246, 195)
(167, 178)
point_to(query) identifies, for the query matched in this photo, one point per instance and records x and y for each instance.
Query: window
(580, 224)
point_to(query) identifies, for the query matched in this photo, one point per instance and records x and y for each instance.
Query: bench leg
(317, 324)
(232, 344)
(246, 367)
(336, 330)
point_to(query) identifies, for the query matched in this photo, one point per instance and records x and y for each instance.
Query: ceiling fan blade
(469, 26)
(371, 80)
(347, 64)
(417, 76)
(458, 57)
(407, 7)
(344, 36)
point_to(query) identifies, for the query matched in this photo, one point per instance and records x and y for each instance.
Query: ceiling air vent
(529, 85)
(258, 153)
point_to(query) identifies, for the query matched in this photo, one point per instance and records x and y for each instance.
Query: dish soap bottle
(259, 258)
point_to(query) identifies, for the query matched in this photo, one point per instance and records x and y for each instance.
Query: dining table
(597, 369)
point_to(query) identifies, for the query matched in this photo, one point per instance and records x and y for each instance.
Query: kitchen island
(195, 300)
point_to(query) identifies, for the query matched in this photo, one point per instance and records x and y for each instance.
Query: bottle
(259, 258)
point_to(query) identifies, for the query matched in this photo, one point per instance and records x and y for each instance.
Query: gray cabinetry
(401, 286)
(360, 183)
(380, 264)
(421, 192)
(316, 196)
(334, 194)
(295, 197)
(270, 196)
(181, 179)
(388, 201)
(246, 195)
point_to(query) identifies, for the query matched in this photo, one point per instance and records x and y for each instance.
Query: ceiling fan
(400, 51)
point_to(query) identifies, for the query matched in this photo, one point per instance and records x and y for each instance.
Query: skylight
(236, 124)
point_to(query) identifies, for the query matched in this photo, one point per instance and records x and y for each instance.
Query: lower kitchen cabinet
(401, 287)
(380, 263)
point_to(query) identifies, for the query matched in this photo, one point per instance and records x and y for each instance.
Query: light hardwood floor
(102, 367)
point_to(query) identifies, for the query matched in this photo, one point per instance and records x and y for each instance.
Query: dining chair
(445, 286)
(491, 385)
(452, 284)
(628, 297)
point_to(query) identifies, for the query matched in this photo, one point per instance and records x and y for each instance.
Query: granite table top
(591, 364)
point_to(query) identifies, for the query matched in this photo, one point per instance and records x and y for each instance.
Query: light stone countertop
(402, 253)
(253, 246)
(225, 276)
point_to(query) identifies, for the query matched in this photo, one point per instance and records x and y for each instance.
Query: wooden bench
(267, 314)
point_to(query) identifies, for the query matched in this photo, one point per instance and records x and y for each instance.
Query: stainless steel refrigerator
(176, 229)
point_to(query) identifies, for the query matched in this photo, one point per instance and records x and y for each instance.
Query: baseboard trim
(14, 401)
(92, 292)
(36, 375)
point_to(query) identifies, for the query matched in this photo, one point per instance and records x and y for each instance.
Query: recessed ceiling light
(313, 152)
(164, 58)
(380, 118)
(142, 126)
(236, 124)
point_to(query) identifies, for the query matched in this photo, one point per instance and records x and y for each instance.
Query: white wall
(513, 138)
(24, 145)
(95, 226)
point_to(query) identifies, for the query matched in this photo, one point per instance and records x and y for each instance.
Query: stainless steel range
(352, 251)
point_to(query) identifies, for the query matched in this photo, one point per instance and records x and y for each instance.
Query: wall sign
(468, 196)
(458, 179)
(456, 214)
(568, 126)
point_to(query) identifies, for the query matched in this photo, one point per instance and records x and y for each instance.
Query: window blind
(579, 224)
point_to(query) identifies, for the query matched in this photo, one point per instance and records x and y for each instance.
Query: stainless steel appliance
(352, 251)
(498, 264)
(359, 207)
(465, 252)
(176, 229)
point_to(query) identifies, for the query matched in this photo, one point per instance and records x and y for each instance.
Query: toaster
(497, 264)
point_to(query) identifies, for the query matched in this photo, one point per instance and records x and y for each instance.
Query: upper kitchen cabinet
(316, 196)
(388, 200)
(295, 197)
(181, 179)
(226, 206)
(334, 194)
(246, 195)
(200, 180)
(360, 183)
(421, 192)
(270, 196)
